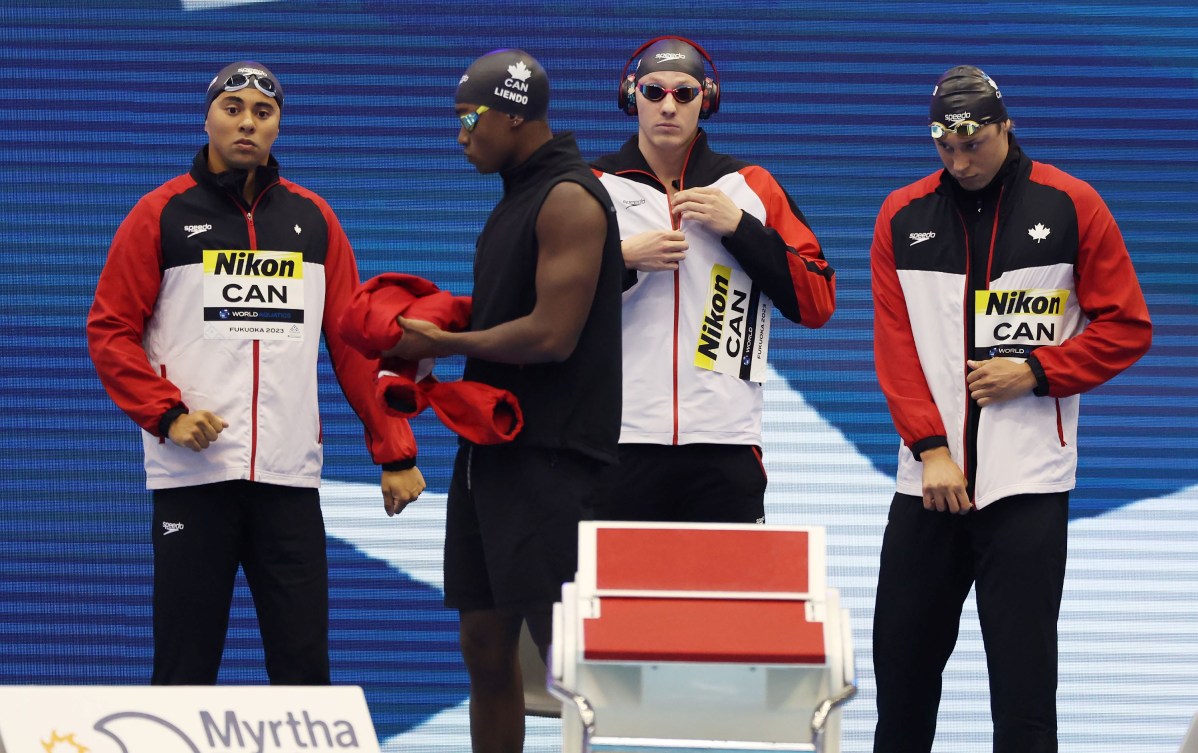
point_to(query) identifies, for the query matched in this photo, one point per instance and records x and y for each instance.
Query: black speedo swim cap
(966, 93)
(670, 55)
(236, 76)
(511, 81)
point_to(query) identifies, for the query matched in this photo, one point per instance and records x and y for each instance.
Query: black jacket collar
(233, 181)
(701, 167)
(1014, 168)
(558, 151)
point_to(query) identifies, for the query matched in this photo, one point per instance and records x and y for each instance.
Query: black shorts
(686, 483)
(511, 528)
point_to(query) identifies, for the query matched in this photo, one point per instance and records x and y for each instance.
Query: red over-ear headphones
(711, 88)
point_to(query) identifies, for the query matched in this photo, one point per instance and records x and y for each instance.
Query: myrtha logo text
(227, 731)
(272, 734)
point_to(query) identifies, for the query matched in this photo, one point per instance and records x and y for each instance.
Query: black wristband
(168, 418)
(928, 443)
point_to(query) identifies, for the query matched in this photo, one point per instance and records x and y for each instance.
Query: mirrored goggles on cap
(239, 81)
(470, 119)
(657, 92)
(960, 128)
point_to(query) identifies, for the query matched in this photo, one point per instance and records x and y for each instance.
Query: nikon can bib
(253, 295)
(733, 336)
(1013, 323)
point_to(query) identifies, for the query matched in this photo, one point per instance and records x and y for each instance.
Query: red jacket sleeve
(783, 256)
(900, 374)
(1119, 331)
(125, 296)
(389, 439)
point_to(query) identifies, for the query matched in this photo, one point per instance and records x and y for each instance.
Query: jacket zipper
(966, 345)
(965, 454)
(674, 225)
(162, 368)
(677, 225)
(249, 222)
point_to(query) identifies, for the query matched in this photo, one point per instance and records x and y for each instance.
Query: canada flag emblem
(1039, 232)
(519, 71)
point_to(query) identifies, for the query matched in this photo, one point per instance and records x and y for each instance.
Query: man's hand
(196, 431)
(654, 250)
(709, 207)
(420, 340)
(999, 380)
(400, 488)
(943, 482)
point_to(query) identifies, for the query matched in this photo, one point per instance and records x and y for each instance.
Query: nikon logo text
(246, 263)
(1006, 302)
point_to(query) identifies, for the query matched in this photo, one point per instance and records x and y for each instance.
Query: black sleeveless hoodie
(574, 404)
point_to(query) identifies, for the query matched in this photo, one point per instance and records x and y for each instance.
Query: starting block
(700, 637)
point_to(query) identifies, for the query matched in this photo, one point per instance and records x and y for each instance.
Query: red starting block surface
(744, 631)
(760, 560)
(698, 636)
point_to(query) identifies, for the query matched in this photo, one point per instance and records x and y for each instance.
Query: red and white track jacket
(191, 313)
(667, 398)
(1061, 294)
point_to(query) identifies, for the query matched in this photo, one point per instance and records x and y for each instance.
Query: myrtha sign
(184, 720)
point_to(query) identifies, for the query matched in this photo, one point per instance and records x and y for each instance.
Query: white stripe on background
(214, 4)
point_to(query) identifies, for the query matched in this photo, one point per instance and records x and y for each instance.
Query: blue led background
(104, 102)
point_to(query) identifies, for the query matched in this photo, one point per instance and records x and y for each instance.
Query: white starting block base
(700, 638)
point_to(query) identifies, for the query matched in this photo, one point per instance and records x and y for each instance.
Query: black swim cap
(670, 55)
(510, 81)
(237, 76)
(966, 93)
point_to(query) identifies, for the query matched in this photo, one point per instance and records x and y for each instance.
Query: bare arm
(571, 229)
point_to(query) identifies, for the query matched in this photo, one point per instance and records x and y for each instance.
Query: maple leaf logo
(519, 70)
(1039, 232)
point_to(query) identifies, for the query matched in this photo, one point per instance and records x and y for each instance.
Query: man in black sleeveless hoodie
(545, 326)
